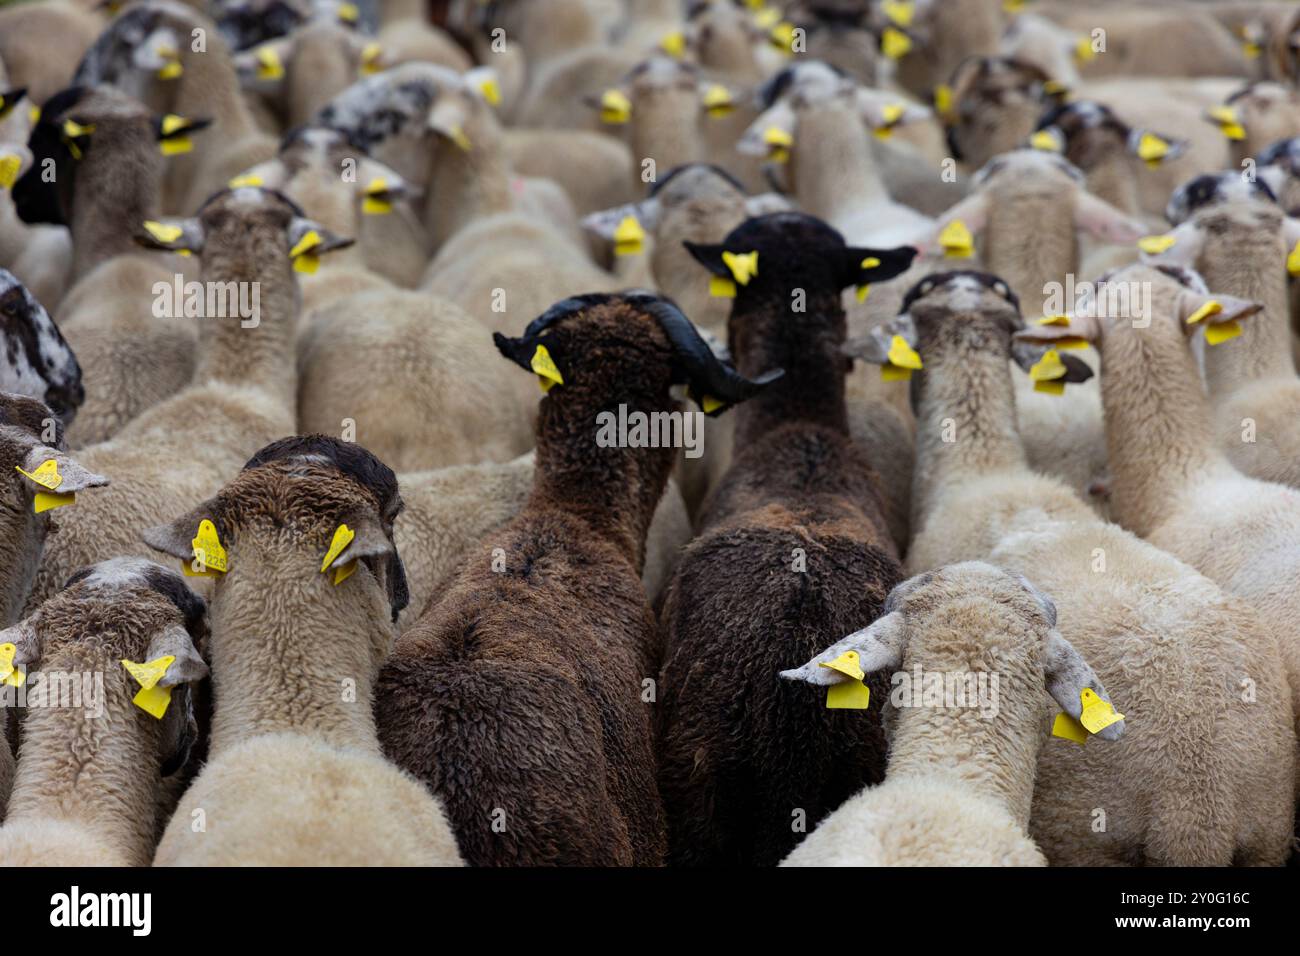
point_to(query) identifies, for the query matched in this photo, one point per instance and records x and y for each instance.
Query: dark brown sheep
(518, 695)
(794, 549)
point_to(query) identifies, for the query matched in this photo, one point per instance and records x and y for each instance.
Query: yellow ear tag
(47, 501)
(349, 13)
(1229, 122)
(1097, 714)
(1251, 49)
(46, 475)
(782, 36)
(892, 113)
(1047, 374)
(375, 203)
(674, 44)
(721, 287)
(34, 114)
(743, 266)
(615, 107)
(1063, 320)
(892, 373)
(71, 131)
(161, 231)
(370, 54)
(851, 694)
(490, 90)
(895, 44)
(1072, 343)
(870, 262)
(1154, 245)
(152, 699)
(304, 260)
(903, 355)
(171, 71)
(1070, 729)
(9, 674)
(779, 143)
(628, 237)
(1083, 51)
(1046, 140)
(1152, 149)
(943, 101)
(709, 404)
(957, 241)
(1212, 307)
(345, 571)
(1055, 88)
(898, 11)
(247, 180)
(548, 374)
(847, 664)
(269, 65)
(1220, 332)
(717, 100)
(208, 552)
(9, 166)
(175, 145)
(1293, 260)
(343, 536)
(458, 137)
(1013, 6)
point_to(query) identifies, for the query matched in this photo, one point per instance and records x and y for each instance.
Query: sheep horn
(706, 375)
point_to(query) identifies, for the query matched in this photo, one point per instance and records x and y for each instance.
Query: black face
(246, 27)
(37, 195)
(937, 279)
(1205, 191)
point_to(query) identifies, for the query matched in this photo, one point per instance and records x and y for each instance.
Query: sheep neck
(321, 69)
(115, 188)
(1031, 244)
(765, 334)
(334, 205)
(998, 755)
(14, 233)
(1247, 263)
(465, 185)
(966, 423)
(613, 490)
(833, 169)
(665, 126)
(262, 356)
(1112, 179)
(1159, 435)
(209, 89)
(22, 538)
(98, 772)
(310, 670)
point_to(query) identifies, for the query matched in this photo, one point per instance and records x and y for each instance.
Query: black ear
(1076, 369)
(517, 350)
(36, 194)
(862, 266)
(710, 257)
(9, 99)
(172, 126)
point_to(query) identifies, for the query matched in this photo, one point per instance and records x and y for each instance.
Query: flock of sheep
(912, 479)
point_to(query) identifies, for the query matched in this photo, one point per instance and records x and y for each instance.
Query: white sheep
(960, 779)
(1204, 775)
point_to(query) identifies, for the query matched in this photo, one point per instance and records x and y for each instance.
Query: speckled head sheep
(519, 694)
(302, 616)
(996, 102)
(1233, 232)
(795, 545)
(961, 765)
(37, 361)
(101, 732)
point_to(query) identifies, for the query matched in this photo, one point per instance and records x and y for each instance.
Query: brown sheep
(744, 758)
(519, 696)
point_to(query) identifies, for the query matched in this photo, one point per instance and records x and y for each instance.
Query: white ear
(879, 647)
(1103, 221)
(1290, 230)
(74, 477)
(484, 82)
(1067, 674)
(268, 175)
(604, 222)
(382, 182)
(176, 642)
(1189, 240)
(875, 108)
(765, 203)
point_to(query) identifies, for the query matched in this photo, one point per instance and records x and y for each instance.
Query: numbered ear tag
(1097, 714)
(10, 674)
(209, 555)
(46, 475)
(304, 259)
(152, 699)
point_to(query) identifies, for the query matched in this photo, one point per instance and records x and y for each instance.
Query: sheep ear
(174, 129)
(885, 113)
(447, 118)
(879, 647)
(1183, 251)
(1103, 221)
(972, 212)
(382, 186)
(1027, 353)
(262, 67)
(301, 231)
(766, 203)
(189, 666)
(373, 543)
(774, 129)
(72, 477)
(874, 347)
(1153, 147)
(483, 80)
(862, 266)
(26, 639)
(605, 222)
(268, 175)
(1080, 325)
(1067, 675)
(177, 537)
(170, 235)
(1195, 309)
(710, 257)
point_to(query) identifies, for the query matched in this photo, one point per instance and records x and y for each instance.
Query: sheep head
(1088, 134)
(1006, 619)
(603, 350)
(1256, 115)
(40, 363)
(119, 612)
(994, 104)
(312, 507)
(42, 475)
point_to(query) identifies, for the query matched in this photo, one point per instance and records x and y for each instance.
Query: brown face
(240, 220)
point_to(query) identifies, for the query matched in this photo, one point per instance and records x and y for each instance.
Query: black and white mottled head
(1088, 132)
(246, 23)
(394, 102)
(137, 43)
(37, 361)
(1212, 190)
